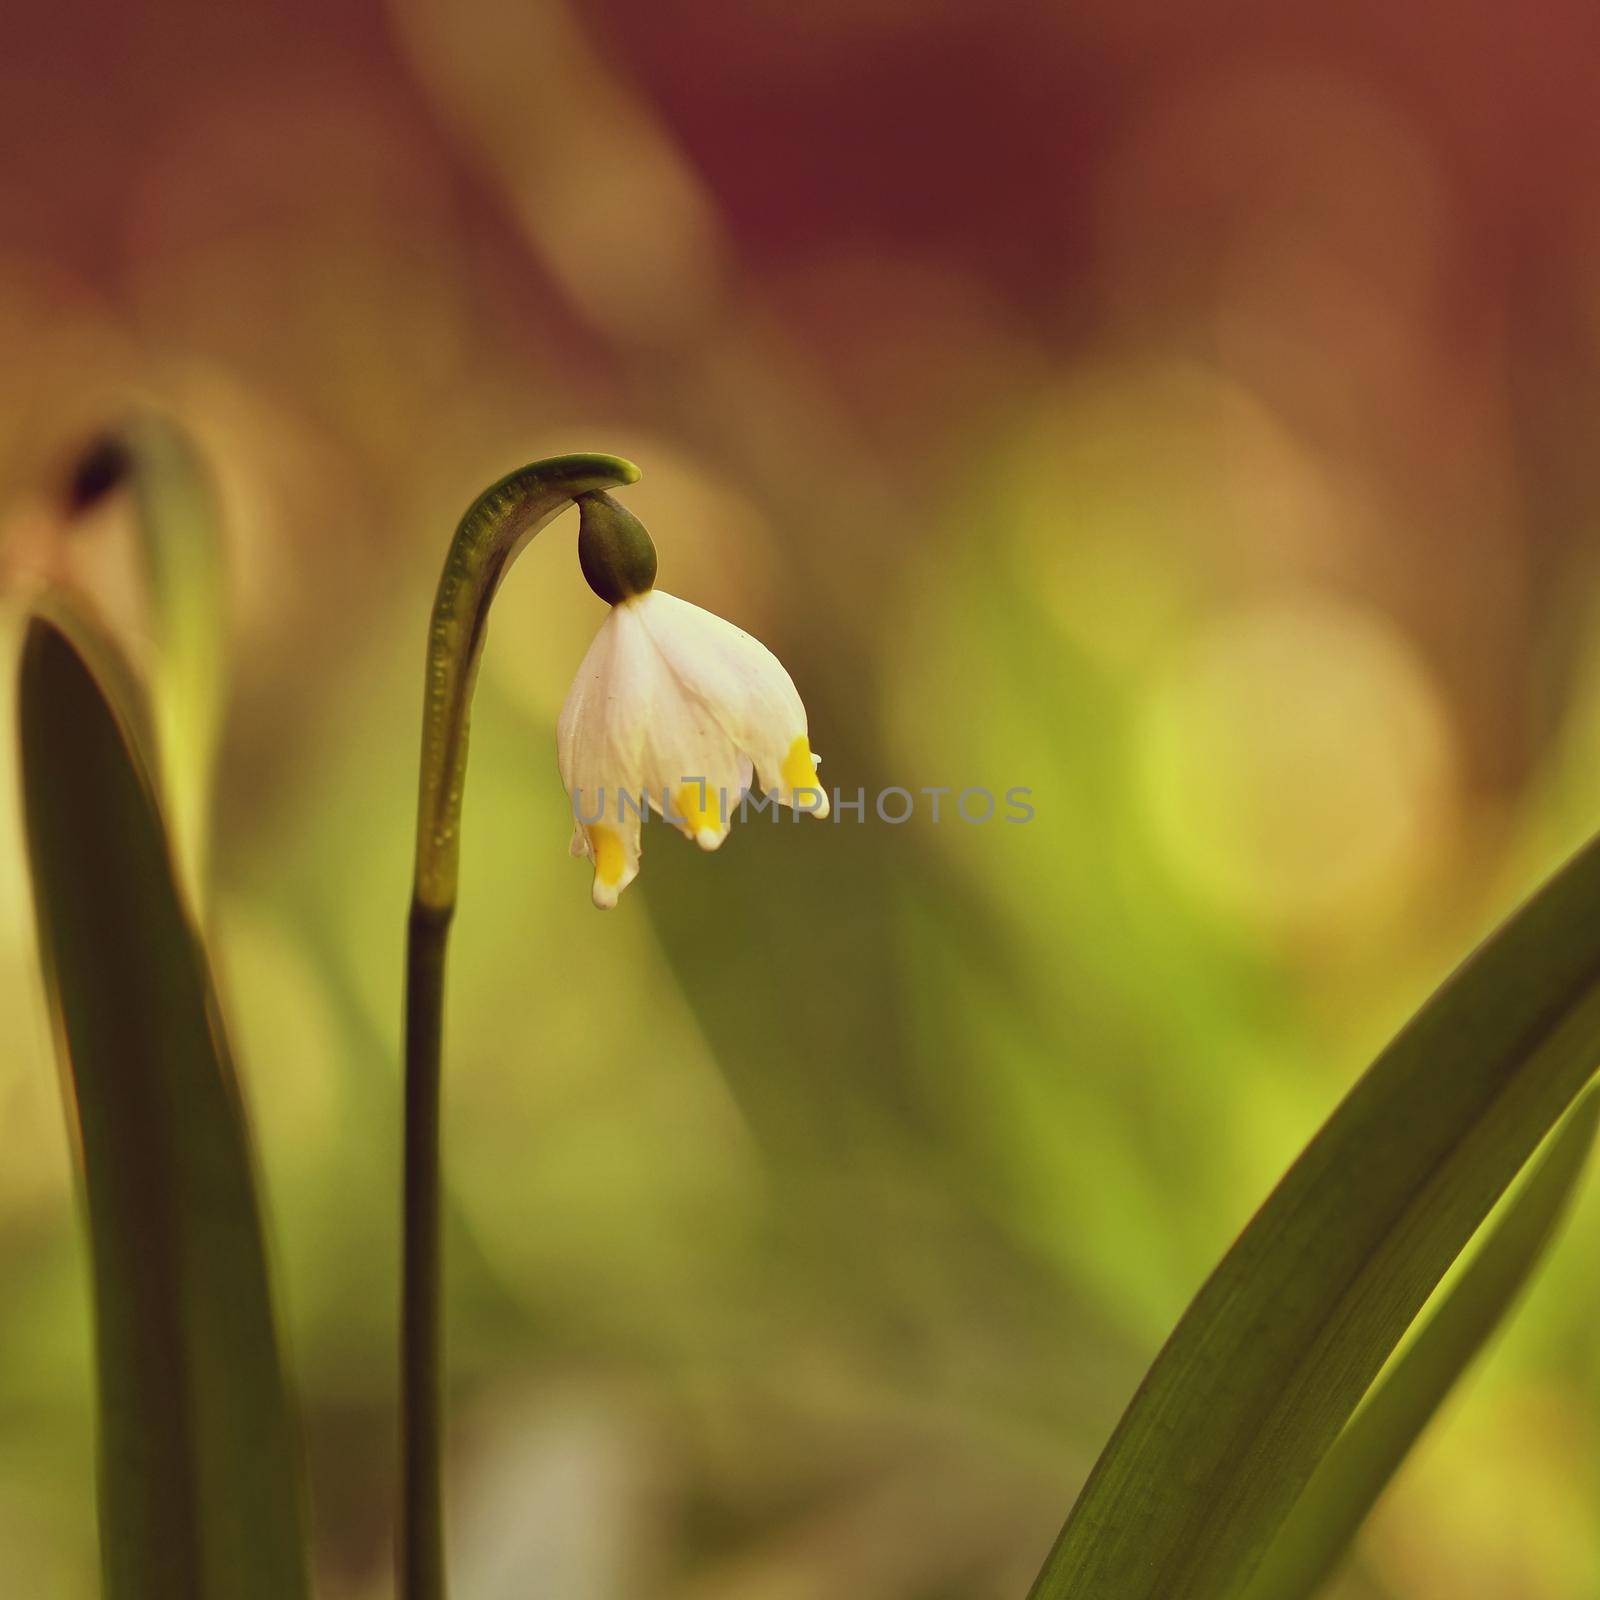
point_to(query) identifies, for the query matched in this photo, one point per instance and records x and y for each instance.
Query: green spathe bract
(493, 532)
(201, 1493)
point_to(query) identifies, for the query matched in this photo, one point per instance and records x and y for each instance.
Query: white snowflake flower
(671, 710)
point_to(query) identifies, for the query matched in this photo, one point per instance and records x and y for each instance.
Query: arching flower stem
(495, 529)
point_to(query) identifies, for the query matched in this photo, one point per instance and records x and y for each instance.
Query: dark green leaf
(1282, 1341)
(1370, 1451)
(200, 1472)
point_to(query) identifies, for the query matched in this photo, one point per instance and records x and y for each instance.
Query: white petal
(745, 689)
(600, 748)
(693, 769)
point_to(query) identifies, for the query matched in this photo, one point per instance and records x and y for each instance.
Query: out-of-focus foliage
(200, 1478)
(1182, 412)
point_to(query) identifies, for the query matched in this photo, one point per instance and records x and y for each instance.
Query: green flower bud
(617, 556)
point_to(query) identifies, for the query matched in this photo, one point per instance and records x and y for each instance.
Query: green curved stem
(496, 528)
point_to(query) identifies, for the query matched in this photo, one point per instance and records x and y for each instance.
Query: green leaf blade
(1280, 1344)
(1355, 1472)
(201, 1490)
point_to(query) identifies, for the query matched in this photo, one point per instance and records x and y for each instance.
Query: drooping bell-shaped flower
(670, 712)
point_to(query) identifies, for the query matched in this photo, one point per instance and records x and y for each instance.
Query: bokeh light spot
(1296, 762)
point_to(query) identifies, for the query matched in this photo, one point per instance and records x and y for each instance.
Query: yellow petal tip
(799, 774)
(611, 874)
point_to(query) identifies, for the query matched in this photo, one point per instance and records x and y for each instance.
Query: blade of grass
(1371, 1450)
(1280, 1344)
(199, 1460)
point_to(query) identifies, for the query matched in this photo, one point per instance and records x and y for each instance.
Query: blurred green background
(1186, 412)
